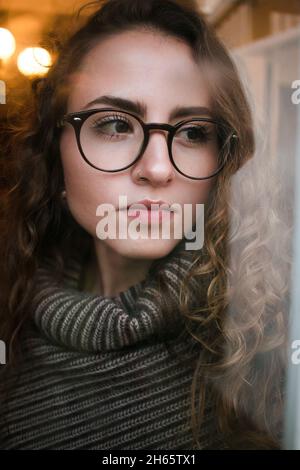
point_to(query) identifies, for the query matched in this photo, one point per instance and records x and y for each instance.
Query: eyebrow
(139, 108)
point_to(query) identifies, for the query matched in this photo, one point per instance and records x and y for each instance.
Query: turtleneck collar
(83, 321)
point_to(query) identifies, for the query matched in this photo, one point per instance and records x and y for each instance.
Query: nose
(155, 165)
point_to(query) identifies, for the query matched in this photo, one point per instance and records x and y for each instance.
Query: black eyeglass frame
(77, 120)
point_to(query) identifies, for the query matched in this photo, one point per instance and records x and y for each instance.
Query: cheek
(70, 156)
(86, 188)
(196, 193)
(199, 191)
(206, 189)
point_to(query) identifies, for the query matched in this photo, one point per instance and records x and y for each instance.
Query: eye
(195, 133)
(112, 125)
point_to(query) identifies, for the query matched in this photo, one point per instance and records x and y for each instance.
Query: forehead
(140, 65)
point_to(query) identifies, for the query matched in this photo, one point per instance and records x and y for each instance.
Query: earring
(64, 201)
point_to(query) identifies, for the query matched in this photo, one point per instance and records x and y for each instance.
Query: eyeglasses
(111, 140)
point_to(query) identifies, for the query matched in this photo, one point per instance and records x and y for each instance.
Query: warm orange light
(34, 61)
(7, 43)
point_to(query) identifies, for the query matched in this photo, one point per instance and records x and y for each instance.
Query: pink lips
(155, 211)
(149, 202)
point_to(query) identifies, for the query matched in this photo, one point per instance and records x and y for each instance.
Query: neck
(79, 320)
(113, 273)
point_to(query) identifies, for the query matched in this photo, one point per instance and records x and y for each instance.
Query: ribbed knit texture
(104, 373)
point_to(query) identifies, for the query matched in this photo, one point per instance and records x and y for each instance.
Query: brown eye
(112, 126)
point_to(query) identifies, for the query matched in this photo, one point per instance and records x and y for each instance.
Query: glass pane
(270, 69)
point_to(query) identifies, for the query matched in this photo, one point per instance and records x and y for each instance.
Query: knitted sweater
(103, 373)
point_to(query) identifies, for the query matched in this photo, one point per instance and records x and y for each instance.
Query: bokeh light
(7, 44)
(34, 61)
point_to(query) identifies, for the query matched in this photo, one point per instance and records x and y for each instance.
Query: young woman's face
(160, 73)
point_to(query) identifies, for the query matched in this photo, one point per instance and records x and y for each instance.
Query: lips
(150, 204)
(149, 211)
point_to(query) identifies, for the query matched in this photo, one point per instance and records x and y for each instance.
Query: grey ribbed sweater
(103, 373)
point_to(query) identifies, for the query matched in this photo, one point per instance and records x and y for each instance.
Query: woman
(109, 338)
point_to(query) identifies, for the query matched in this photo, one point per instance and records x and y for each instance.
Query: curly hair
(234, 349)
